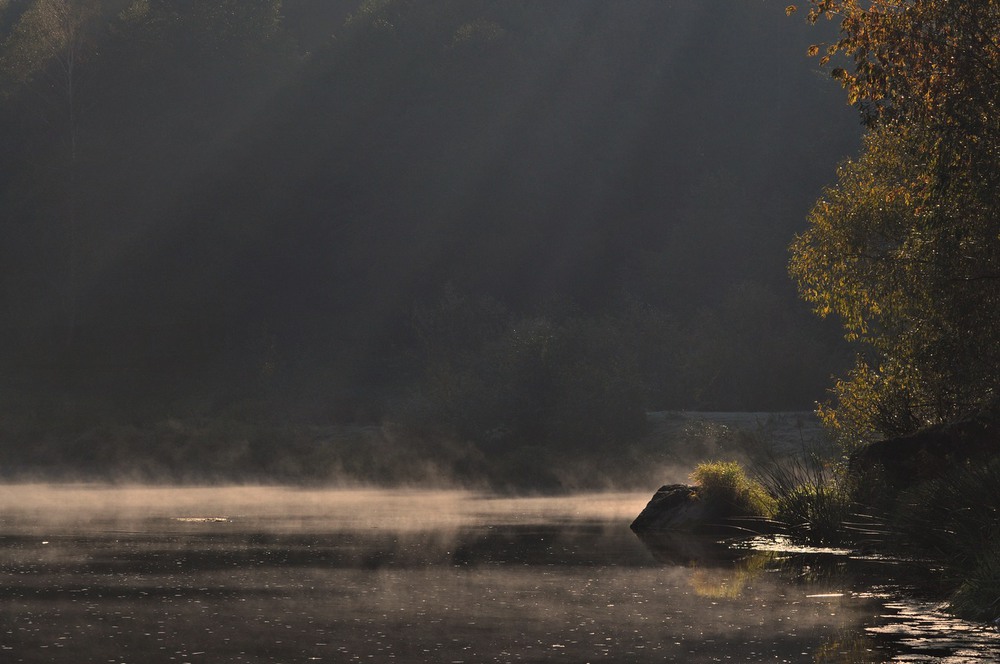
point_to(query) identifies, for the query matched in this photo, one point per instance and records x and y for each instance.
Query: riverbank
(241, 448)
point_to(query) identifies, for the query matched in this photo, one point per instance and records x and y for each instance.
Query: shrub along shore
(943, 511)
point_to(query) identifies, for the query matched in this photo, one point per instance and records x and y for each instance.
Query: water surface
(251, 574)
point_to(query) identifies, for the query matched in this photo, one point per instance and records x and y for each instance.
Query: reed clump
(978, 598)
(812, 499)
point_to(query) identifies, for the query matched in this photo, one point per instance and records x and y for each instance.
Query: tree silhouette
(47, 49)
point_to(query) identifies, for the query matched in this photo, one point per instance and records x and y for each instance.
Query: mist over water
(38, 507)
(277, 574)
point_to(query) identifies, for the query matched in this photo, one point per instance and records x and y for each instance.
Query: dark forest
(518, 223)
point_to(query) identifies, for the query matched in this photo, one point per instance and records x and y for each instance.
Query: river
(270, 574)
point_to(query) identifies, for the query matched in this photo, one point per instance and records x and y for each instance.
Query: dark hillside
(258, 200)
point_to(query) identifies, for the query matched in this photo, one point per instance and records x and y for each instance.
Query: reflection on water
(279, 575)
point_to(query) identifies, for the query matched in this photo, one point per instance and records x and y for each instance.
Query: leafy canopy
(905, 249)
(916, 58)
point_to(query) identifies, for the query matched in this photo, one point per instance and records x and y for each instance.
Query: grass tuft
(728, 481)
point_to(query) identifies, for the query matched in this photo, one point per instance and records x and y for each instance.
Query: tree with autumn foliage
(905, 248)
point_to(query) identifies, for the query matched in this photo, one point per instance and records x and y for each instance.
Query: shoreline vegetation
(903, 252)
(947, 517)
